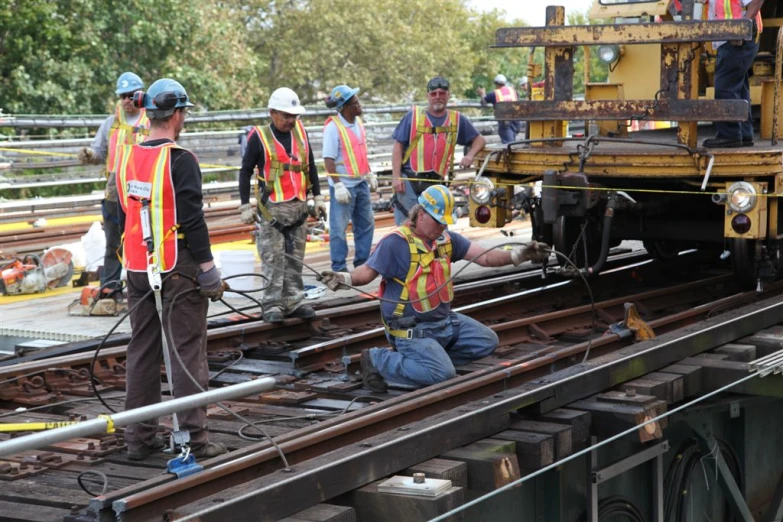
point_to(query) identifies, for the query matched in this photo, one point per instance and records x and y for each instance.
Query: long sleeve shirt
(255, 157)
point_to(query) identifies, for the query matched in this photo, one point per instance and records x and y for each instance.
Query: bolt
(630, 392)
(418, 478)
(90, 445)
(80, 455)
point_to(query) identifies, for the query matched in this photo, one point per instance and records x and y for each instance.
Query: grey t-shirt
(100, 145)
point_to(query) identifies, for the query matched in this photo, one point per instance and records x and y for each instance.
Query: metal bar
(623, 34)
(664, 110)
(100, 425)
(658, 490)
(592, 496)
(621, 466)
(777, 95)
(313, 482)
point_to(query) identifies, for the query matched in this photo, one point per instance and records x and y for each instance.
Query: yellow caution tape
(109, 423)
(39, 152)
(34, 426)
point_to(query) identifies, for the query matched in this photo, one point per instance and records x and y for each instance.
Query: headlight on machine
(742, 197)
(481, 190)
(609, 53)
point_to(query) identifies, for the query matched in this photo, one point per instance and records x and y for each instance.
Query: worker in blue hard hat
(350, 178)
(159, 190)
(415, 260)
(127, 125)
(507, 130)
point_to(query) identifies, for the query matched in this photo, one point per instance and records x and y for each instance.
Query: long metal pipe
(153, 411)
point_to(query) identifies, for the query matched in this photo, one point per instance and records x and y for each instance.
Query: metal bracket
(596, 477)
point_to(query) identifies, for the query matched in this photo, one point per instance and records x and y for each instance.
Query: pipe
(605, 236)
(153, 411)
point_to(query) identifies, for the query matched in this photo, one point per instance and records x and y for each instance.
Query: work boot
(209, 450)
(142, 451)
(273, 316)
(303, 312)
(371, 377)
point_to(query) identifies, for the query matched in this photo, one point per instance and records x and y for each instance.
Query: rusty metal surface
(663, 110)
(622, 34)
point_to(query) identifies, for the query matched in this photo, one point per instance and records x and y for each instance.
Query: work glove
(336, 280)
(341, 193)
(372, 181)
(248, 214)
(87, 156)
(533, 251)
(210, 284)
(320, 205)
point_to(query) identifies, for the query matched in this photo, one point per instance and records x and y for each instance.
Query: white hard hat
(285, 100)
(501, 79)
(523, 81)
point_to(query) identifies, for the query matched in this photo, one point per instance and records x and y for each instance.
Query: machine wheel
(748, 268)
(569, 240)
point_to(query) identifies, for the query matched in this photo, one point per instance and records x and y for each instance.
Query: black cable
(616, 506)
(97, 473)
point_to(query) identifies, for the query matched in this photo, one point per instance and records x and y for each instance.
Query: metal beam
(622, 34)
(314, 481)
(662, 110)
(775, 509)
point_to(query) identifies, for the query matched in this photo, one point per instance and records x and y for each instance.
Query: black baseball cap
(439, 82)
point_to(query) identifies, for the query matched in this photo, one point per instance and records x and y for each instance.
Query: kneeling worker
(415, 261)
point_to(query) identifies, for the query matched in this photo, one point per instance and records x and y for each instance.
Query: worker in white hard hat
(281, 155)
(507, 130)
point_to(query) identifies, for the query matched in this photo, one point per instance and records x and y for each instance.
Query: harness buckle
(409, 334)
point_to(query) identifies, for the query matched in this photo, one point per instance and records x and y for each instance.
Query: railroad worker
(350, 178)
(165, 179)
(734, 61)
(282, 154)
(424, 143)
(507, 130)
(128, 125)
(415, 263)
(523, 86)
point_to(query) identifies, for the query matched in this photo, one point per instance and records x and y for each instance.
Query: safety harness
(421, 126)
(424, 262)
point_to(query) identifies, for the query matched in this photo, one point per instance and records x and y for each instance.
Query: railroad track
(311, 380)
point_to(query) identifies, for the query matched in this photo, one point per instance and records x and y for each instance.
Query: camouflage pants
(284, 288)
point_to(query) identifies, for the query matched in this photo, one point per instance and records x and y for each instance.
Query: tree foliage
(64, 56)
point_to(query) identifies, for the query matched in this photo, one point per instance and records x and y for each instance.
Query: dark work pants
(732, 83)
(112, 268)
(145, 357)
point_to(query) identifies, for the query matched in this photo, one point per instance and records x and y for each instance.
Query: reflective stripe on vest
(286, 177)
(733, 9)
(150, 165)
(430, 269)
(431, 148)
(122, 133)
(354, 147)
(505, 94)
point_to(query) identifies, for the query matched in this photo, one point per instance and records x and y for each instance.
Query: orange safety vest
(733, 9)
(505, 94)
(354, 147)
(286, 177)
(430, 269)
(431, 148)
(122, 133)
(145, 172)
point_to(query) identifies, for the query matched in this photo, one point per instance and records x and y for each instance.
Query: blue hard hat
(341, 94)
(164, 97)
(128, 82)
(438, 202)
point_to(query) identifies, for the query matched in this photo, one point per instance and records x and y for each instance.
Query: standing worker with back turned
(507, 130)
(350, 178)
(164, 179)
(128, 125)
(734, 62)
(429, 340)
(424, 143)
(286, 171)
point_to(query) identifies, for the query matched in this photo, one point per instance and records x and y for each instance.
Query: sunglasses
(127, 95)
(438, 83)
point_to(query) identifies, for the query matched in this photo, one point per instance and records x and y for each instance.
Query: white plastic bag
(94, 243)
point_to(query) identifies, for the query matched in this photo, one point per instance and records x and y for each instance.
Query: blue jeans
(359, 212)
(732, 83)
(407, 198)
(422, 361)
(507, 130)
(112, 267)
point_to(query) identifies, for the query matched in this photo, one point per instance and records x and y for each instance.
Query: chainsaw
(33, 274)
